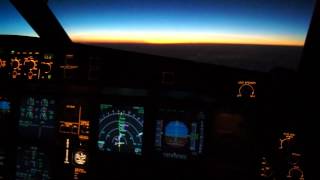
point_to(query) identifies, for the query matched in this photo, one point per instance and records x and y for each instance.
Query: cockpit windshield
(12, 23)
(253, 34)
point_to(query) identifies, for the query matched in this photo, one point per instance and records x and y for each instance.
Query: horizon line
(189, 43)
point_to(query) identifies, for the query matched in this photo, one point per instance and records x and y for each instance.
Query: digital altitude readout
(121, 129)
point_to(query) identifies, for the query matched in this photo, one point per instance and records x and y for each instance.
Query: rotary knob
(295, 173)
(30, 63)
(46, 67)
(15, 63)
(246, 89)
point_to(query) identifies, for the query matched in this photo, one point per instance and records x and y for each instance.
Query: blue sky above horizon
(278, 22)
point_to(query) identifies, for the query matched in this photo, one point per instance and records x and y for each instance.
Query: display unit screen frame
(179, 132)
(37, 118)
(120, 128)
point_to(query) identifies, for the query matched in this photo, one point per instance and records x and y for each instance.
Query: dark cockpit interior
(70, 110)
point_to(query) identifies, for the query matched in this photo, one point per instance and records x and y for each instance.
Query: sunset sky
(276, 22)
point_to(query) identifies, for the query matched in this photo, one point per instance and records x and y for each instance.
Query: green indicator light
(105, 106)
(139, 109)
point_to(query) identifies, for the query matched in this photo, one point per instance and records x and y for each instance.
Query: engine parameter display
(32, 163)
(121, 128)
(37, 117)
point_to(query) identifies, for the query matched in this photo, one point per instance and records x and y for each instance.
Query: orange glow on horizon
(183, 38)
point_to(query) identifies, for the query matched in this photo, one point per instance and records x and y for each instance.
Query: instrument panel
(84, 132)
(70, 128)
(71, 133)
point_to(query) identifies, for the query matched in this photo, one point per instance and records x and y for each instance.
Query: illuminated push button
(2, 63)
(14, 74)
(74, 129)
(266, 170)
(30, 75)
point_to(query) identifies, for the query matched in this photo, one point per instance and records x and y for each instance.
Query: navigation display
(179, 133)
(121, 128)
(37, 117)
